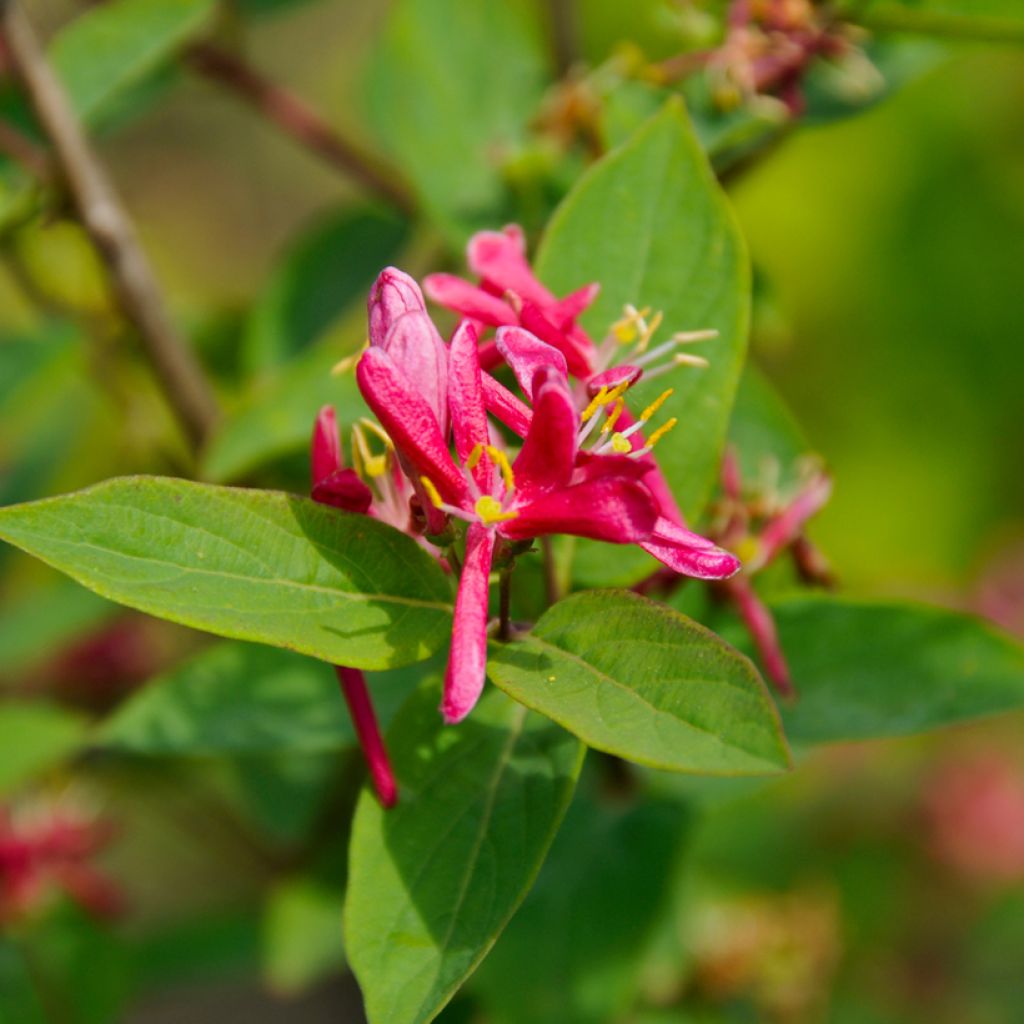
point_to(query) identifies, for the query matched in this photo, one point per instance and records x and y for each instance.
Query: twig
(292, 116)
(564, 35)
(505, 605)
(135, 287)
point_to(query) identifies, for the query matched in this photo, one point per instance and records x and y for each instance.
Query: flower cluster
(438, 463)
(48, 850)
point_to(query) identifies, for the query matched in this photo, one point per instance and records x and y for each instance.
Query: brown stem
(103, 216)
(505, 606)
(564, 34)
(292, 116)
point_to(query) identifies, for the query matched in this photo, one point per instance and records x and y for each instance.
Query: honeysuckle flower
(46, 850)
(335, 485)
(780, 528)
(542, 491)
(617, 441)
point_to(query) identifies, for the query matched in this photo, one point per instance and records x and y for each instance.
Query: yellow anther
(747, 550)
(595, 403)
(656, 404)
(609, 424)
(661, 432)
(500, 459)
(621, 444)
(367, 464)
(686, 359)
(432, 492)
(490, 511)
(346, 364)
(648, 330)
(474, 456)
(624, 331)
(631, 324)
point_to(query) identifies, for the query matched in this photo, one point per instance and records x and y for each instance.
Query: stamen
(500, 459)
(490, 511)
(474, 456)
(648, 331)
(432, 492)
(690, 337)
(656, 404)
(596, 402)
(609, 424)
(660, 433)
(376, 428)
(686, 359)
(346, 364)
(620, 444)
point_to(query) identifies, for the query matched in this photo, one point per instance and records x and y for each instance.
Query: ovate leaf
(246, 564)
(650, 223)
(636, 679)
(870, 669)
(433, 881)
(572, 953)
(452, 88)
(112, 47)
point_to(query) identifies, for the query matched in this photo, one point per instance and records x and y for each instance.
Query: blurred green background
(889, 255)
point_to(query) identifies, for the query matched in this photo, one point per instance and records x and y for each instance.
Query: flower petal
(549, 452)
(513, 412)
(613, 377)
(499, 258)
(357, 696)
(468, 300)
(410, 422)
(568, 309)
(689, 553)
(612, 508)
(343, 489)
(466, 400)
(525, 353)
(761, 626)
(573, 343)
(325, 453)
(393, 294)
(464, 678)
(419, 351)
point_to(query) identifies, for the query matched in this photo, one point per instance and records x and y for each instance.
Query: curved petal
(655, 479)
(360, 707)
(499, 258)
(409, 421)
(393, 294)
(419, 351)
(325, 451)
(549, 452)
(573, 344)
(513, 412)
(468, 300)
(526, 354)
(689, 553)
(568, 309)
(464, 678)
(613, 377)
(466, 400)
(761, 626)
(592, 467)
(343, 489)
(612, 508)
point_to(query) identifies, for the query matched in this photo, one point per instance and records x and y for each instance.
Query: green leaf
(245, 564)
(302, 935)
(111, 48)
(276, 418)
(650, 223)
(237, 698)
(572, 953)
(433, 881)
(636, 679)
(452, 88)
(328, 268)
(871, 669)
(34, 737)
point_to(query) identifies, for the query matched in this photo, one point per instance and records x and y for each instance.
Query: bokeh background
(880, 883)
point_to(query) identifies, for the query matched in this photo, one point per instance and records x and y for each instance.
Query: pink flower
(48, 850)
(781, 528)
(543, 491)
(342, 488)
